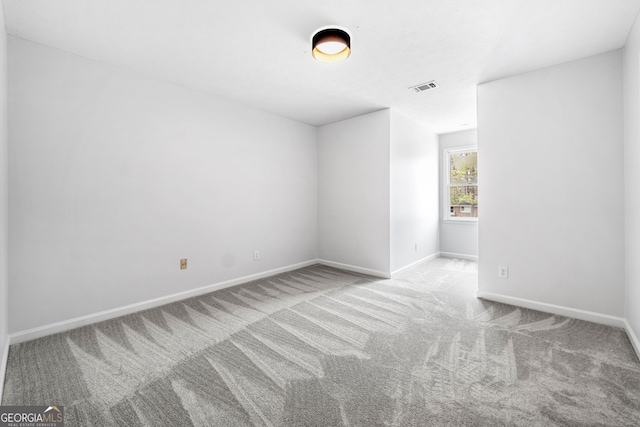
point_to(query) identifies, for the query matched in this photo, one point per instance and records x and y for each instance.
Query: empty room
(411, 213)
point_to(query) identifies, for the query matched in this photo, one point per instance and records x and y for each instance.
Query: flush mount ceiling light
(331, 44)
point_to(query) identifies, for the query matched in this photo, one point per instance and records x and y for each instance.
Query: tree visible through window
(463, 184)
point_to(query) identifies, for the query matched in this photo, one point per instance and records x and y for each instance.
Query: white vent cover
(425, 86)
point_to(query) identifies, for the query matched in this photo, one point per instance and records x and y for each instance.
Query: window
(461, 184)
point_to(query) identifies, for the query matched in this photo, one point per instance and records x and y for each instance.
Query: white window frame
(446, 185)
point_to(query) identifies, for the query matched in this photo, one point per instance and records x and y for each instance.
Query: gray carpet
(324, 347)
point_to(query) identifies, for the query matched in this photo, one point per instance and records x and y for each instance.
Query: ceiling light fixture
(331, 44)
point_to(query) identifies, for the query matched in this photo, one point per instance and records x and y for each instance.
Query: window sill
(470, 221)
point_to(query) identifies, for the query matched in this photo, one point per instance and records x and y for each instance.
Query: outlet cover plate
(503, 272)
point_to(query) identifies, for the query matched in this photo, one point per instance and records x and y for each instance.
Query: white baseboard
(632, 337)
(575, 313)
(65, 325)
(459, 256)
(355, 268)
(400, 270)
(3, 365)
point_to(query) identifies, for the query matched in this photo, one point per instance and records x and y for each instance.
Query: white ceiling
(258, 52)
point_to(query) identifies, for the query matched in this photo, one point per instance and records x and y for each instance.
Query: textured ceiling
(258, 52)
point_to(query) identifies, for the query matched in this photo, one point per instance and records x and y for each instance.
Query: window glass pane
(464, 201)
(464, 167)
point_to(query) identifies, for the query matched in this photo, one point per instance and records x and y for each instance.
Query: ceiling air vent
(425, 86)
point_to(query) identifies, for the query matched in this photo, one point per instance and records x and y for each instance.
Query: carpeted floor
(325, 347)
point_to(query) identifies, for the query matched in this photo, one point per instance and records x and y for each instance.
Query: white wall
(551, 159)
(114, 177)
(632, 178)
(4, 306)
(354, 191)
(458, 238)
(414, 191)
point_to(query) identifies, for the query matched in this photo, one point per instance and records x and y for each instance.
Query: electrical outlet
(503, 272)
(183, 264)
(256, 255)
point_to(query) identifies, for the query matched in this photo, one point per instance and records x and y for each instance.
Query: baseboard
(575, 313)
(355, 268)
(3, 366)
(459, 256)
(400, 270)
(65, 325)
(632, 337)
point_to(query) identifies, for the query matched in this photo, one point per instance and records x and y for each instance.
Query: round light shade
(331, 45)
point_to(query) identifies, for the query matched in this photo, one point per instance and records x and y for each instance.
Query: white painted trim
(465, 221)
(459, 256)
(65, 325)
(355, 268)
(575, 313)
(400, 270)
(632, 337)
(3, 365)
